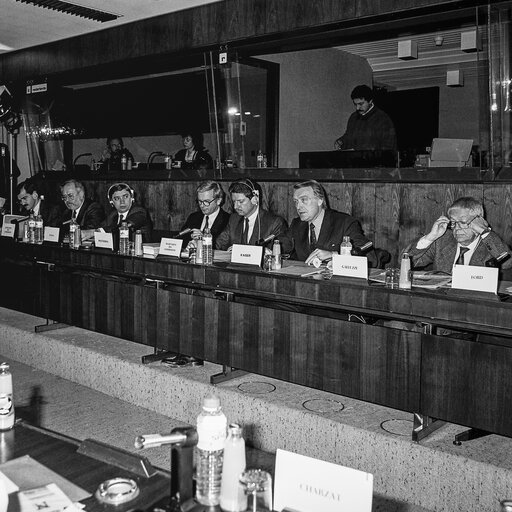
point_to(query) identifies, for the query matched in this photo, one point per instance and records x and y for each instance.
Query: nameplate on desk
(350, 266)
(247, 254)
(469, 277)
(9, 228)
(170, 247)
(51, 234)
(305, 484)
(103, 240)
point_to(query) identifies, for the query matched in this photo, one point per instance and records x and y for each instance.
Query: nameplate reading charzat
(170, 247)
(350, 266)
(469, 277)
(51, 234)
(103, 240)
(304, 484)
(247, 254)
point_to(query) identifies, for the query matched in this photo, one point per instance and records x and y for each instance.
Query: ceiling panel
(23, 25)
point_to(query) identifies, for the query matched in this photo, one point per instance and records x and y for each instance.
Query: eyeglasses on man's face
(455, 224)
(68, 197)
(205, 202)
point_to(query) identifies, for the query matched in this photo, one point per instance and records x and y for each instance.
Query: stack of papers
(151, 249)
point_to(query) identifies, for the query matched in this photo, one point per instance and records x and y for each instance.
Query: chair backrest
(383, 257)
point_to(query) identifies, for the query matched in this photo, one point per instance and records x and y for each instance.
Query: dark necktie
(245, 233)
(206, 223)
(460, 259)
(73, 215)
(120, 220)
(312, 238)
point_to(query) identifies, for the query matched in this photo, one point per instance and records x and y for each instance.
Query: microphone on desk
(17, 221)
(360, 251)
(184, 232)
(496, 262)
(265, 241)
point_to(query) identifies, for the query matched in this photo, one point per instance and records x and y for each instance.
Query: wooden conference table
(290, 328)
(75, 462)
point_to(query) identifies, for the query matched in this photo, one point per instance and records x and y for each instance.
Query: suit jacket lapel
(237, 239)
(325, 230)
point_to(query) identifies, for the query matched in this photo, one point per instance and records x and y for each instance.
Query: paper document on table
(298, 270)
(219, 256)
(27, 473)
(430, 280)
(48, 498)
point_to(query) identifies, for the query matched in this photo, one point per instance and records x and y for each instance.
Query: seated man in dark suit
(122, 197)
(210, 197)
(250, 224)
(319, 231)
(463, 237)
(30, 198)
(87, 213)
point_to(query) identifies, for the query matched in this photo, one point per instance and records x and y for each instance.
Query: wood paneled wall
(236, 22)
(392, 214)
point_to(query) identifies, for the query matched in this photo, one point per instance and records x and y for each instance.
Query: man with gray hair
(319, 231)
(462, 237)
(209, 198)
(88, 214)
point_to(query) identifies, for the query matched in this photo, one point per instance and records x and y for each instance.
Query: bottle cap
(235, 429)
(211, 402)
(405, 255)
(4, 366)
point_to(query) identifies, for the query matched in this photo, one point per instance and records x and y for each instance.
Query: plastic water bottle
(405, 282)
(74, 234)
(138, 243)
(259, 158)
(6, 399)
(124, 239)
(211, 431)
(232, 495)
(39, 230)
(124, 162)
(207, 247)
(199, 250)
(32, 229)
(346, 246)
(276, 255)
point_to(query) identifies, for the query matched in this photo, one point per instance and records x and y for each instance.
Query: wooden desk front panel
(467, 383)
(362, 361)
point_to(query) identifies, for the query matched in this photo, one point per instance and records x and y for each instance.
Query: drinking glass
(257, 485)
(392, 278)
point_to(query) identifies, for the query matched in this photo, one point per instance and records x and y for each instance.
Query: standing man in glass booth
(368, 128)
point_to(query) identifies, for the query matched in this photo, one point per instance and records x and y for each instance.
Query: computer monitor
(450, 152)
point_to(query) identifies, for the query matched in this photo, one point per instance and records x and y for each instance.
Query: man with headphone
(122, 197)
(250, 224)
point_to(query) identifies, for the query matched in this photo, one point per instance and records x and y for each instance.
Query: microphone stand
(182, 441)
(80, 156)
(152, 156)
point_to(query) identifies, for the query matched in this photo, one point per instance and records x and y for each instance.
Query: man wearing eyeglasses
(463, 237)
(88, 214)
(210, 197)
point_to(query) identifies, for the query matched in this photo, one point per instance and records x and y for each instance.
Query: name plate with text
(469, 277)
(304, 484)
(103, 240)
(170, 247)
(350, 266)
(247, 254)
(51, 234)
(9, 228)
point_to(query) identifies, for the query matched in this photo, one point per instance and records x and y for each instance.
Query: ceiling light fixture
(75, 10)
